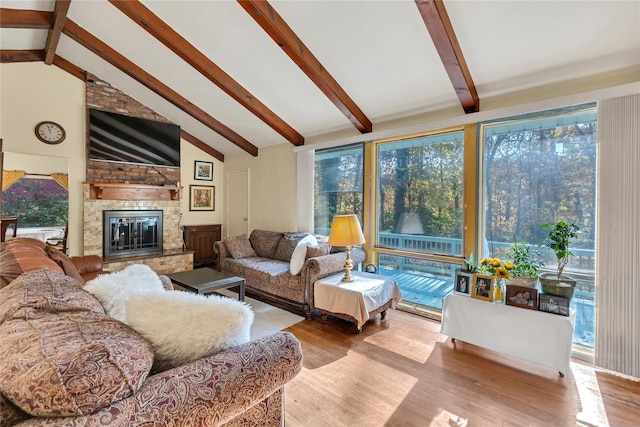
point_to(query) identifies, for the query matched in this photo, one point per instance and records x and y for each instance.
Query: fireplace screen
(132, 233)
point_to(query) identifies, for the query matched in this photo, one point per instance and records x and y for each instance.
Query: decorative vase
(498, 291)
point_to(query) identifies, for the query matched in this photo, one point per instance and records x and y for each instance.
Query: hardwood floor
(403, 372)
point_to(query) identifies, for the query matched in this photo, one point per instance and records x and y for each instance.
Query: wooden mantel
(116, 191)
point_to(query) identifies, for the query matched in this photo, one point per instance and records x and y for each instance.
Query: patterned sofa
(64, 362)
(265, 261)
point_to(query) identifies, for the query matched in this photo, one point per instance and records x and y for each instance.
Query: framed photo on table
(482, 287)
(462, 285)
(202, 198)
(522, 296)
(203, 171)
(554, 304)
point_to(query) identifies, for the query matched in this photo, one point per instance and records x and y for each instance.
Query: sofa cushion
(183, 327)
(102, 360)
(21, 255)
(114, 289)
(265, 242)
(287, 245)
(239, 247)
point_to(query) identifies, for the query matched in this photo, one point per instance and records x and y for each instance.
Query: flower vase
(498, 291)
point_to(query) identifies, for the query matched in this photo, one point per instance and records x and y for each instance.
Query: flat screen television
(118, 138)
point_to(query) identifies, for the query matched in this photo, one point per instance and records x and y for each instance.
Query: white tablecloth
(366, 293)
(531, 335)
(37, 233)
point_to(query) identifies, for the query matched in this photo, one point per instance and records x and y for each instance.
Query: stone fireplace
(170, 258)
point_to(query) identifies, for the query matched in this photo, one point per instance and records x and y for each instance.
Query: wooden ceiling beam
(21, 18)
(201, 145)
(70, 68)
(53, 36)
(439, 26)
(159, 29)
(93, 44)
(8, 56)
(273, 24)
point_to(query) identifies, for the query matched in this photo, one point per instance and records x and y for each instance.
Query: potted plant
(526, 262)
(560, 236)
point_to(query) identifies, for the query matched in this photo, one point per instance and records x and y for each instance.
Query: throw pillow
(114, 289)
(183, 327)
(300, 253)
(321, 249)
(239, 247)
(64, 262)
(287, 245)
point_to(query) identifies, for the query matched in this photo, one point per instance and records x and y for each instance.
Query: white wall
(34, 92)
(272, 187)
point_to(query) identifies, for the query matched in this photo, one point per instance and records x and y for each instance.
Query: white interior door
(237, 202)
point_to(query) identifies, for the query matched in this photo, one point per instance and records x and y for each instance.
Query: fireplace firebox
(132, 233)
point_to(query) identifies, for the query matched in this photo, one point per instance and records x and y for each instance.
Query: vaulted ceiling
(241, 75)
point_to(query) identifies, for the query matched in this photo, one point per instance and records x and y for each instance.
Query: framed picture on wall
(203, 171)
(202, 198)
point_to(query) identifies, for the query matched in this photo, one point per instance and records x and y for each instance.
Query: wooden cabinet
(200, 239)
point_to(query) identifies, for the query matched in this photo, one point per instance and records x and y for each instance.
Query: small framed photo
(554, 304)
(522, 296)
(463, 282)
(202, 198)
(203, 171)
(482, 287)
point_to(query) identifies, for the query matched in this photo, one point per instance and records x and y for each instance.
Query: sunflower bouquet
(496, 267)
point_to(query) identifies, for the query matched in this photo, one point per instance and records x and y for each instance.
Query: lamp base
(348, 266)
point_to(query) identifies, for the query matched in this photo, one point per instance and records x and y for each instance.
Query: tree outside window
(36, 202)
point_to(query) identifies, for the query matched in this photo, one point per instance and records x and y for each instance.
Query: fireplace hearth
(130, 233)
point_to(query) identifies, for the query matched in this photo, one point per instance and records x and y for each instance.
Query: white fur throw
(300, 253)
(183, 327)
(114, 289)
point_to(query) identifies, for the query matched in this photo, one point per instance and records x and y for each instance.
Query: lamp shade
(346, 231)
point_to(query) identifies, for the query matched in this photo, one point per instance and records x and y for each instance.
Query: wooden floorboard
(403, 372)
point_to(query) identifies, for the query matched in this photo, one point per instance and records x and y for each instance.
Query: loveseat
(282, 267)
(63, 361)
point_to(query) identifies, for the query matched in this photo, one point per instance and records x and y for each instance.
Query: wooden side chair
(59, 243)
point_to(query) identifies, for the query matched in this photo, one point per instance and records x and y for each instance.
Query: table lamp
(346, 231)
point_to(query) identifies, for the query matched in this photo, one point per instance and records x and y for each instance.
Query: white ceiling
(380, 52)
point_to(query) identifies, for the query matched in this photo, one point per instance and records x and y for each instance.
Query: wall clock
(50, 132)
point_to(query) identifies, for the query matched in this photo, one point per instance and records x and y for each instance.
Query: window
(419, 201)
(535, 169)
(542, 169)
(36, 202)
(420, 194)
(338, 185)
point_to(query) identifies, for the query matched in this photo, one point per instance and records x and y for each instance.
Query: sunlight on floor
(446, 418)
(593, 410)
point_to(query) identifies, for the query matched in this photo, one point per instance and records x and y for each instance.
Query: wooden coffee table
(207, 280)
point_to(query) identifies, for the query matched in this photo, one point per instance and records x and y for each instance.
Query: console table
(531, 335)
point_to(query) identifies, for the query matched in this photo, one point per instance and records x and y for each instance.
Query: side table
(357, 301)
